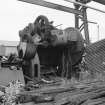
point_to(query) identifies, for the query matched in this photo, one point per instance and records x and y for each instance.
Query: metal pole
(71, 1)
(97, 28)
(98, 31)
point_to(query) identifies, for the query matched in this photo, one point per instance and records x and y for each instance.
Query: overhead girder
(53, 5)
(83, 1)
(84, 5)
(76, 11)
(100, 1)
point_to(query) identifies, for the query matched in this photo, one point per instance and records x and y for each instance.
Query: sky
(15, 15)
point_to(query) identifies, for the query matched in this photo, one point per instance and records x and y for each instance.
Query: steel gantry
(79, 11)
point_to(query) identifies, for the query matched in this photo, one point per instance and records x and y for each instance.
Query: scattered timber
(88, 93)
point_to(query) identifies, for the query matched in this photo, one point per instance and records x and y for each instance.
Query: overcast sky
(15, 15)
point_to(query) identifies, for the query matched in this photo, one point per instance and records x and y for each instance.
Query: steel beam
(77, 17)
(53, 5)
(84, 5)
(100, 1)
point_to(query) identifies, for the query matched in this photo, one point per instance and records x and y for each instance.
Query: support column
(76, 17)
(86, 30)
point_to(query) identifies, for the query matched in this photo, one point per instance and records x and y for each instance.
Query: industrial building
(7, 47)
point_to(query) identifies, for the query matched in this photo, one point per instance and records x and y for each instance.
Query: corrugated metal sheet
(95, 57)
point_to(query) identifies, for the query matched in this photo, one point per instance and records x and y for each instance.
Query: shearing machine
(46, 49)
(60, 50)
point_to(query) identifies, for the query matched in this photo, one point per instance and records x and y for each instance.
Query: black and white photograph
(52, 52)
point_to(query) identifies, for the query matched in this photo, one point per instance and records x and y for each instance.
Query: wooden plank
(97, 101)
(53, 6)
(85, 96)
(77, 98)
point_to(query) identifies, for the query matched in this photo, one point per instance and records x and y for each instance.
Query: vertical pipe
(98, 32)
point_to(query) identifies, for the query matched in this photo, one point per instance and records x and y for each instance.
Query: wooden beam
(53, 5)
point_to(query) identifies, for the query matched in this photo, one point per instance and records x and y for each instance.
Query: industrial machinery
(44, 49)
(57, 50)
(51, 38)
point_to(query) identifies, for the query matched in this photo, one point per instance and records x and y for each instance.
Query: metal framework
(84, 24)
(79, 11)
(53, 6)
(100, 1)
(83, 3)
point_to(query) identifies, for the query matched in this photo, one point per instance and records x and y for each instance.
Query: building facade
(8, 47)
